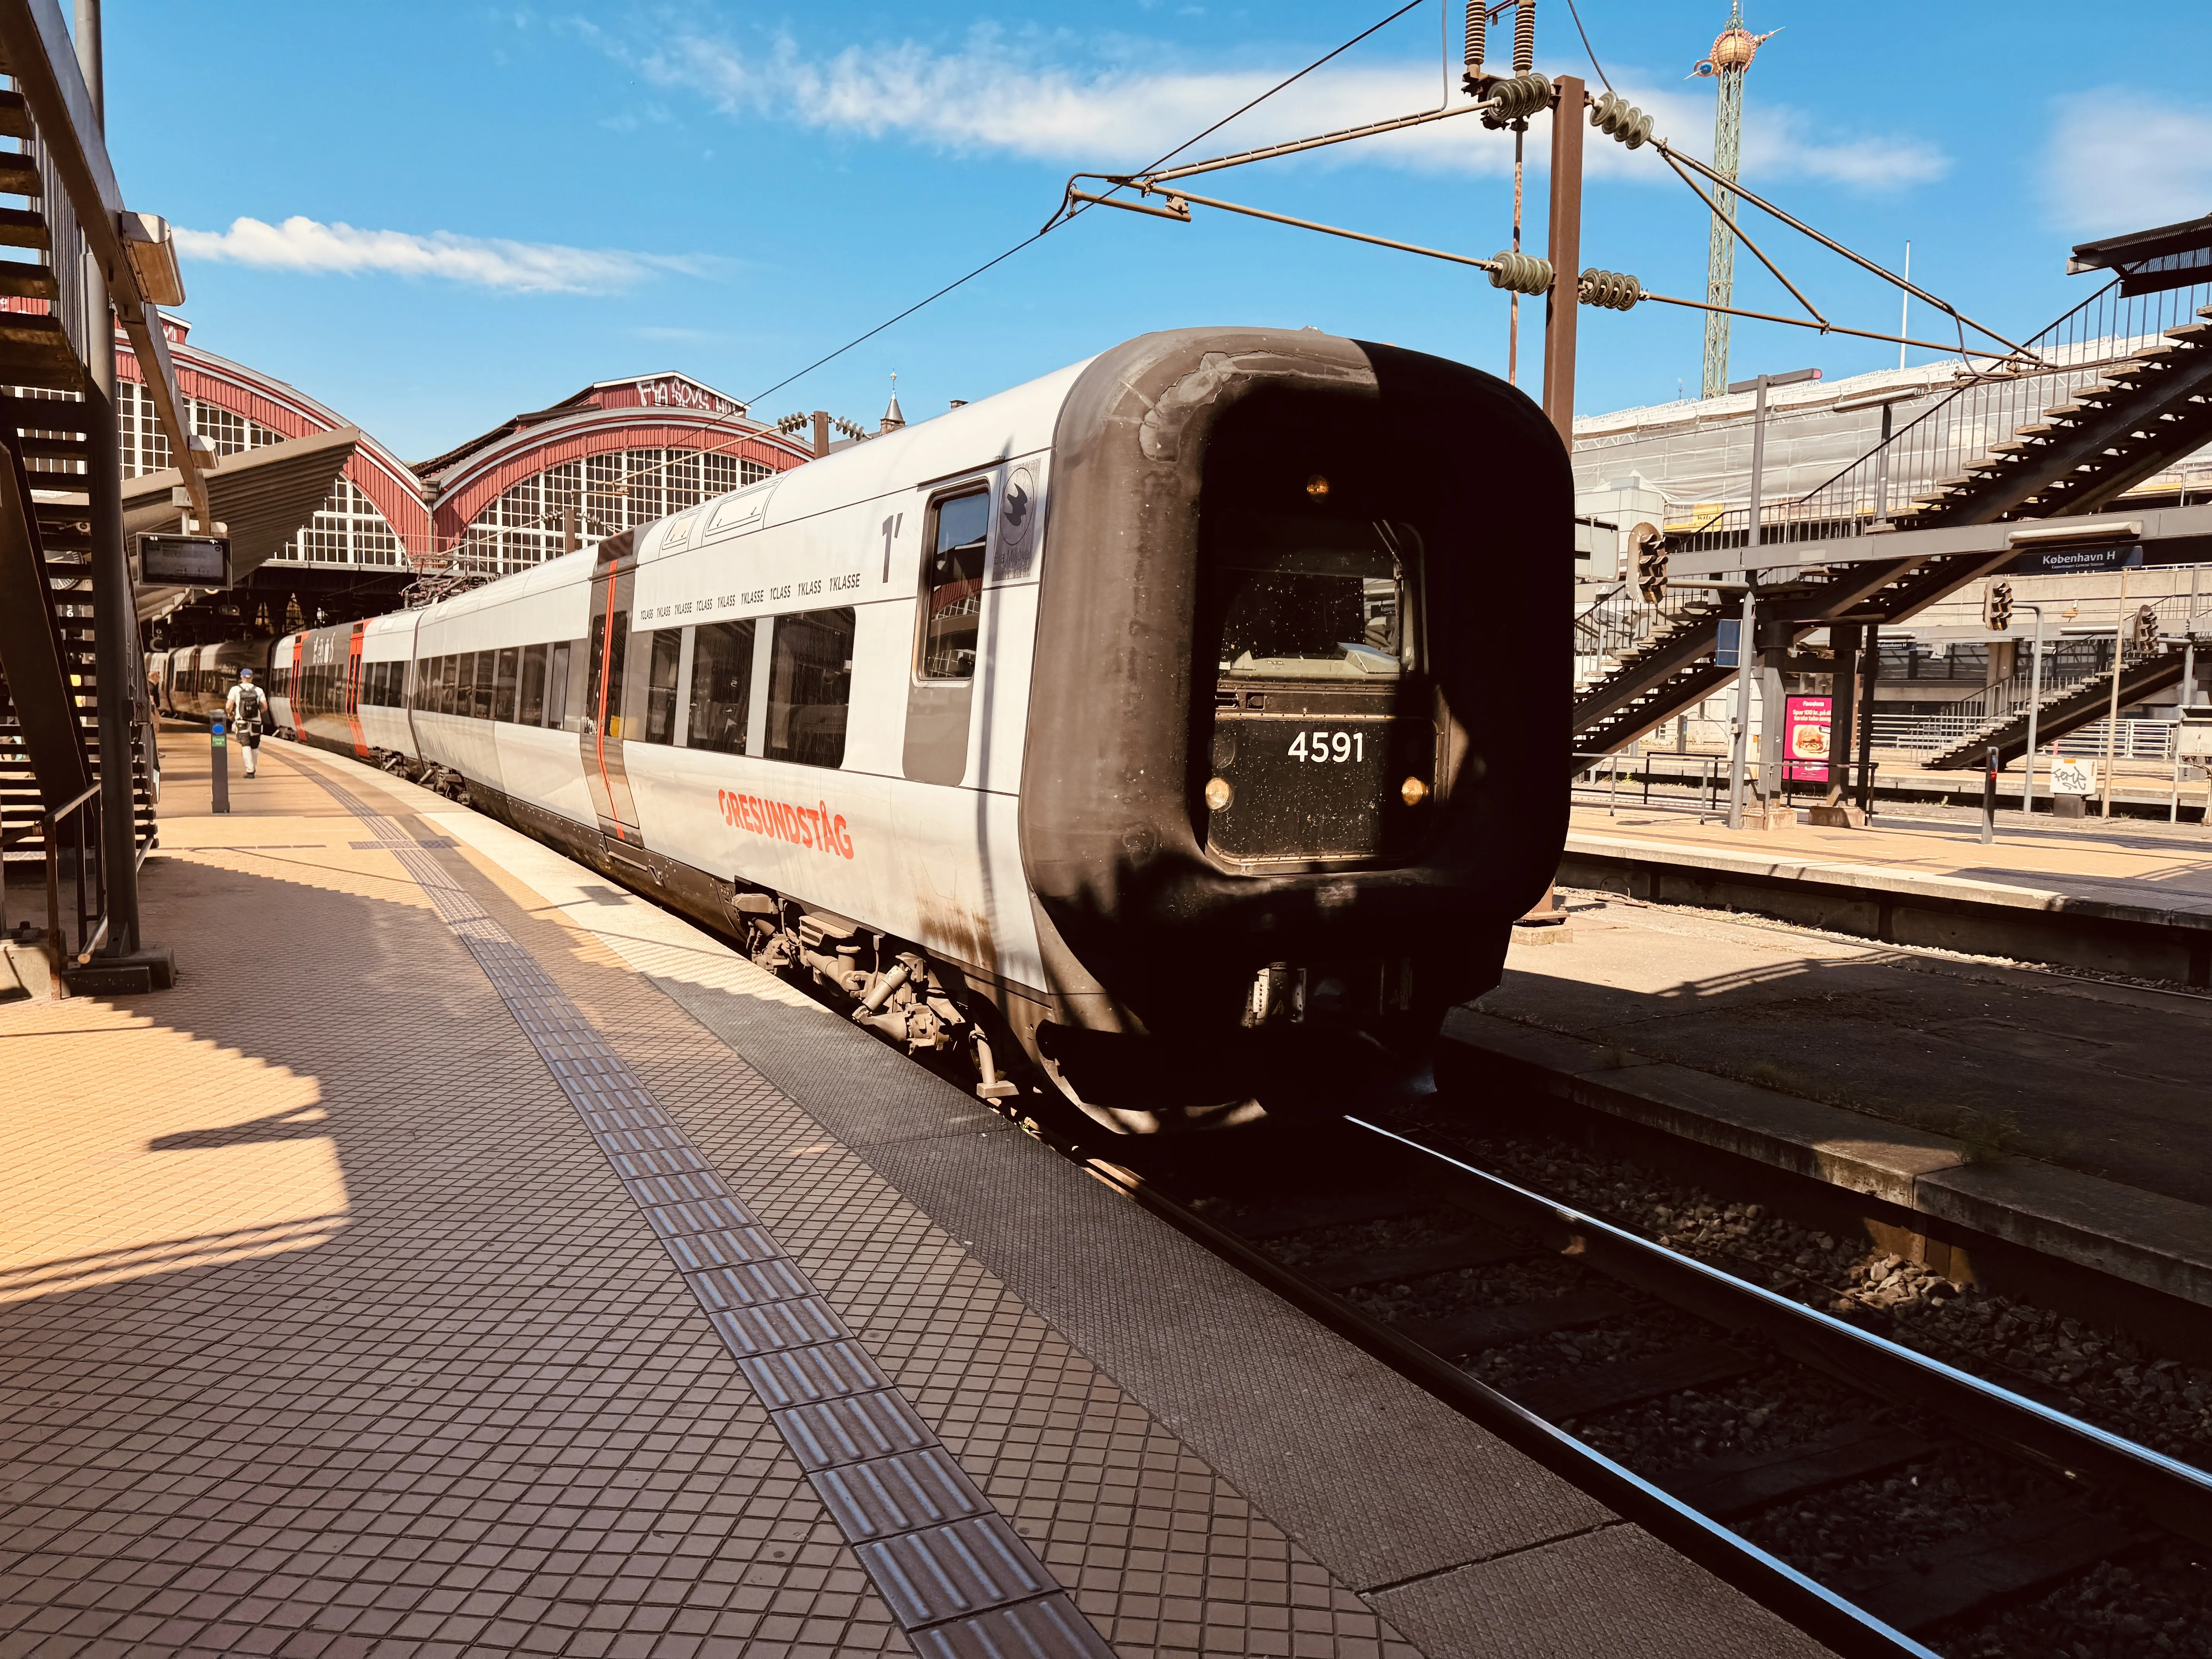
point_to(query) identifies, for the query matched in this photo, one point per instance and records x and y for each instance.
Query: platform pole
(1842, 705)
(218, 768)
(1740, 738)
(1871, 665)
(2034, 705)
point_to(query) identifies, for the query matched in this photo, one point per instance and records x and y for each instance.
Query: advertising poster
(1805, 724)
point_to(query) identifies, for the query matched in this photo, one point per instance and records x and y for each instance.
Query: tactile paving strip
(956, 1575)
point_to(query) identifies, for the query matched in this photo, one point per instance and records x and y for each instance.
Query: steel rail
(1727, 1555)
(2173, 1493)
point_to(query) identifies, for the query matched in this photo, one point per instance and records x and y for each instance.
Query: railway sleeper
(1742, 1482)
(2026, 1552)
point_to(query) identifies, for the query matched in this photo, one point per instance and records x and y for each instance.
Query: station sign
(1728, 646)
(185, 561)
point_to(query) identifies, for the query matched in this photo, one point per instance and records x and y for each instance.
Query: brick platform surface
(327, 1329)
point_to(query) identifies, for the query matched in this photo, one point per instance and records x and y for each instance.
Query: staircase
(2106, 397)
(2079, 701)
(44, 419)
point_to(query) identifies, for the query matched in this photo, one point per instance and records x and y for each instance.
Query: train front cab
(1295, 770)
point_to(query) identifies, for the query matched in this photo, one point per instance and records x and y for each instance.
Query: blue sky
(431, 216)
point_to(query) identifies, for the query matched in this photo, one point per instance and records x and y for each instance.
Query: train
(1174, 736)
(189, 682)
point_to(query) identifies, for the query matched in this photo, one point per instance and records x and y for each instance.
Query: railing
(2133, 740)
(90, 876)
(1619, 621)
(1659, 781)
(1955, 435)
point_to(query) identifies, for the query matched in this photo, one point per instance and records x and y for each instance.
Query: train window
(449, 684)
(809, 683)
(952, 586)
(1311, 613)
(660, 685)
(502, 701)
(556, 686)
(721, 686)
(465, 685)
(530, 708)
(482, 665)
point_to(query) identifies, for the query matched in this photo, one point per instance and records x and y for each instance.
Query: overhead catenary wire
(1065, 212)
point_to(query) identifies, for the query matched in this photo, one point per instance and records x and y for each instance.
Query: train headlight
(1413, 792)
(1317, 487)
(1218, 793)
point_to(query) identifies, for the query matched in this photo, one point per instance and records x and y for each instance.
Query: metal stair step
(19, 228)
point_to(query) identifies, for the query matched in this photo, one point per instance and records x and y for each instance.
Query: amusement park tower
(1732, 54)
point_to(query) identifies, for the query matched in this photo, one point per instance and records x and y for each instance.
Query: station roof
(668, 389)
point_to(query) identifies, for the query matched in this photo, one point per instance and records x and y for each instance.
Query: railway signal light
(2146, 631)
(1996, 607)
(1650, 550)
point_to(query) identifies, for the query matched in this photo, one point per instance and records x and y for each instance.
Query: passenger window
(531, 707)
(660, 685)
(556, 686)
(810, 684)
(952, 586)
(502, 706)
(721, 686)
(465, 695)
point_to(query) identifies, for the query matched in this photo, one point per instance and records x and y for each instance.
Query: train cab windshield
(1312, 613)
(1319, 711)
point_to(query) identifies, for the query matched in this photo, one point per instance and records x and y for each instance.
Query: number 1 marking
(891, 529)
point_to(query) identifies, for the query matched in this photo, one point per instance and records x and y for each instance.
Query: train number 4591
(1329, 746)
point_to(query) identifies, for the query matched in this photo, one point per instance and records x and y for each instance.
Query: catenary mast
(1733, 51)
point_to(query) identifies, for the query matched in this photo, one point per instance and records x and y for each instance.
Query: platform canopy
(266, 496)
(2150, 261)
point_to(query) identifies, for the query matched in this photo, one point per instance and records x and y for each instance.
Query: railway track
(1949, 1498)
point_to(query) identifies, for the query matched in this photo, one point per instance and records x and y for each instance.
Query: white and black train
(1181, 730)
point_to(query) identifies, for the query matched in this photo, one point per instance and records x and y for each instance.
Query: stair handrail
(1989, 405)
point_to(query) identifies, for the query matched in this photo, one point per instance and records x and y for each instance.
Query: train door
(614, 577)
(297, 684)
(353, 691)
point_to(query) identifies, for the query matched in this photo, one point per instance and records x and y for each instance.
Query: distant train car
(196, 679)
(1163, 731)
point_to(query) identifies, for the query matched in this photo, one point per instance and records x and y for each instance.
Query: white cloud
(1015, 99)
(2101, 175)
(307, 244)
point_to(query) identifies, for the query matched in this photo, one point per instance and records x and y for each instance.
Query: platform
(2061, 1113)
(469, 1257)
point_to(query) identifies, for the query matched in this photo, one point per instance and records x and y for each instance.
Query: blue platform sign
(1727, 653)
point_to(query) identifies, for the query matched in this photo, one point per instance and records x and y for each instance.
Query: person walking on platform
(244, 706)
